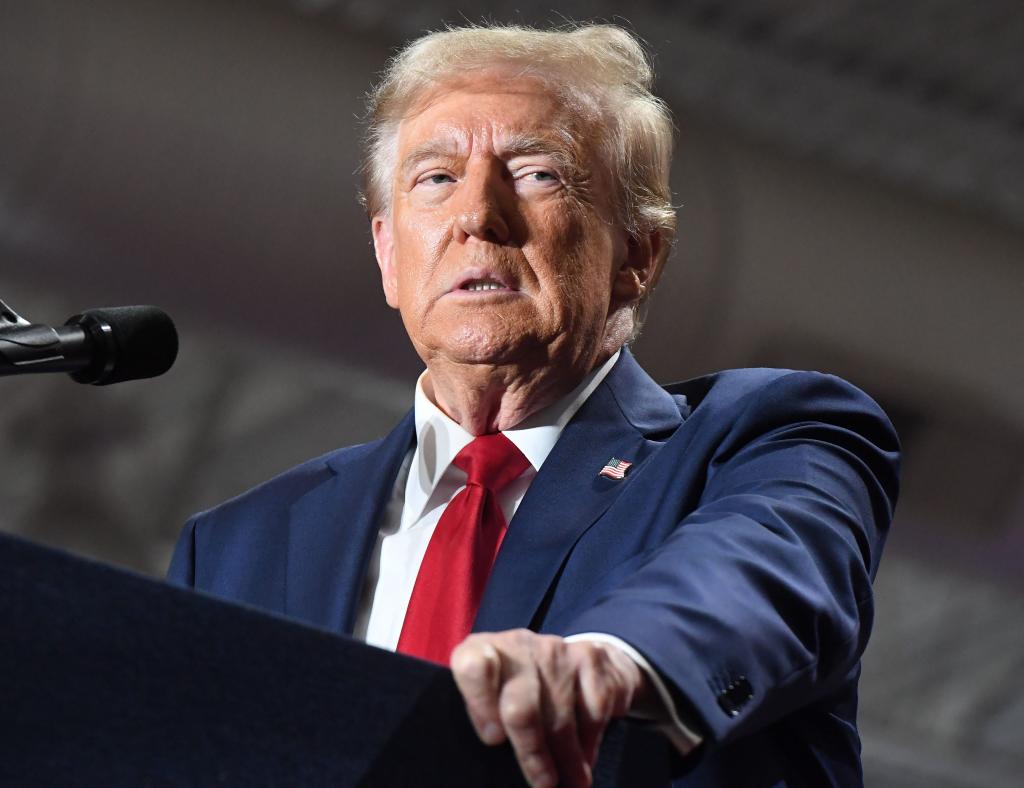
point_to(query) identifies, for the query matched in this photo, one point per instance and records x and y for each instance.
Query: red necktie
(462, 549)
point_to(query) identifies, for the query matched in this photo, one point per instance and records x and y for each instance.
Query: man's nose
(481, 210)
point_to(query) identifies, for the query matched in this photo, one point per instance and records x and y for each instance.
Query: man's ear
(383, 248)
(639, 270)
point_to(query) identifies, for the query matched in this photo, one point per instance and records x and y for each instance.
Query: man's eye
(542, 176)
(438, 178)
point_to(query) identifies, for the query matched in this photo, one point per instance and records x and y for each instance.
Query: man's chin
(485, 356)
(491, 352)
(480, 337)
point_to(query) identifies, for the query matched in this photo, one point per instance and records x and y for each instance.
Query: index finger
(476, 665)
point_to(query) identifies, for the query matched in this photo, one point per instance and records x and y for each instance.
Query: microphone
(100, 346)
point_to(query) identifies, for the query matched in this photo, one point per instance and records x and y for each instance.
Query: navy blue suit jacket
(737, 554)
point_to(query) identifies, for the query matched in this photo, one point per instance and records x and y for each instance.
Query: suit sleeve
(759, 602)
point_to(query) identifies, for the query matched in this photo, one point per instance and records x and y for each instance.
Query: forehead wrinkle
(452, 143)
(552, 135)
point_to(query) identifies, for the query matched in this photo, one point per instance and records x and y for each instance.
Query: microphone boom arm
(8, 317)
(23, 344)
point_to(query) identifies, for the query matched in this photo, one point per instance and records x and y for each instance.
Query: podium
(110, 678)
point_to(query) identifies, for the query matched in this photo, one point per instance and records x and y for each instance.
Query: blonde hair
(600, 70)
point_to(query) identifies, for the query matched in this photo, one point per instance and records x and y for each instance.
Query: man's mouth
(483, 281)
(476, 285)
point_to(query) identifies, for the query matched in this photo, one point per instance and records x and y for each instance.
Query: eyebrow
(564, 153)
(431, 149)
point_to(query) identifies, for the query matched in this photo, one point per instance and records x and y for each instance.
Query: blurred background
(850, 177)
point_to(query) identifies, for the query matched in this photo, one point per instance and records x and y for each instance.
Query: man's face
(501, 245)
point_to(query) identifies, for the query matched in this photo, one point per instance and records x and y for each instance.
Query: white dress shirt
(427, 482)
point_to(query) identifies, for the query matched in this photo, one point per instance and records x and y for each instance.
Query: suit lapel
(622, 418)
(333, 528)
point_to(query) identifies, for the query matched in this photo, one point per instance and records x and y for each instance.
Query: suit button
(734, 697)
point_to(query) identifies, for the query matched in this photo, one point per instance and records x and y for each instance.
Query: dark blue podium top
(110, 678)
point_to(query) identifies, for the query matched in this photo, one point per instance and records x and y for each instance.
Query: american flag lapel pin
(615, 468)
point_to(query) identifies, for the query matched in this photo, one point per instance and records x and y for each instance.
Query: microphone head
(132, 343)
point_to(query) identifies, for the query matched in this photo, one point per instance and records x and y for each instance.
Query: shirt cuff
(663, 715)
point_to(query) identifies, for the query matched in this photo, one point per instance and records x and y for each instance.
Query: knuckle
(470, 667)
(523, 638)
(552, 646)
(519, 715)
(551, 655)
(461, 652)
(474, 662)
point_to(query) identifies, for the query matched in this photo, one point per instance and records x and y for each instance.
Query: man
(701, 556)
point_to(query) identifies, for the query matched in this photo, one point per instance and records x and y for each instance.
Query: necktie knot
(491, 461)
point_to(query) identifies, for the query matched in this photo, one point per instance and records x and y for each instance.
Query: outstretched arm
(758, 603)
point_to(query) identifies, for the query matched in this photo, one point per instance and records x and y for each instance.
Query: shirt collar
(439, 438)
